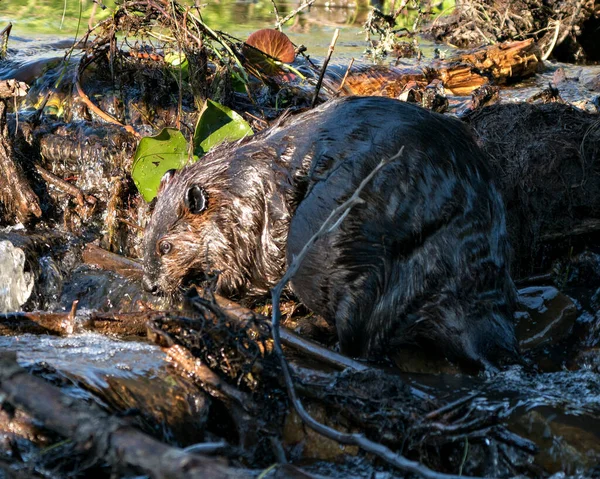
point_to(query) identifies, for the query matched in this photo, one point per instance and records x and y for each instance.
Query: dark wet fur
(423, 261)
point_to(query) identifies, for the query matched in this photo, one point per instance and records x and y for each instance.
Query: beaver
(421, 262)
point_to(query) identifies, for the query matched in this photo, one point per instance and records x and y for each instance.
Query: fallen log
(39, 322)
(104, 436)
(502, 63)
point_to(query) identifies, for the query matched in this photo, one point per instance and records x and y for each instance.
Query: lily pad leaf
(265, 48)
(273, 43)
(217, 124)
(155, 155)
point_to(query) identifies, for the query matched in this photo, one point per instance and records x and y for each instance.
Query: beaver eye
(164, 247)
(196, 199)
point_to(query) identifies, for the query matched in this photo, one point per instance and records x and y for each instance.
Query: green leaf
(155, 155)
(177, 62)
(216, 124)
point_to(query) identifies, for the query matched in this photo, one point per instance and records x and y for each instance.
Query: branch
(336, 34)
(107, 437)
(305, 5)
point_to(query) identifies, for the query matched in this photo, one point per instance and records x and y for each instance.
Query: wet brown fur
(422, 261)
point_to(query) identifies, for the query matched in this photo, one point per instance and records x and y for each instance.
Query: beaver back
(423, 260)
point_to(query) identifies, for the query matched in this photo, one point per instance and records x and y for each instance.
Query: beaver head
(224, 214)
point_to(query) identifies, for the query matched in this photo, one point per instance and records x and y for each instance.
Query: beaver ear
(164, 181)
(196, 199)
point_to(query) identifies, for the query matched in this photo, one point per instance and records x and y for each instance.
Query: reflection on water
(90, 355)
(313, 28)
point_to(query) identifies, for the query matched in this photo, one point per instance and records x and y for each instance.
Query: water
(90, 357)
(16, 284)
(39, 23)
(43, 21)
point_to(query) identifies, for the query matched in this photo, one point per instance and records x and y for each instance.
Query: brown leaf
(273, 43)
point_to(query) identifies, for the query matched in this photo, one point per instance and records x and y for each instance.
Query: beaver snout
(149, 285)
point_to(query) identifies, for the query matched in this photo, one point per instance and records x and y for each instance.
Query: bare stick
(333, 221)
(278, 18)
(304, 6)
(290, 339)
(346, 75)
(211, 382)
(65, 187)
(98, 111)
(104, 259)
(546, 55)
(336, 34)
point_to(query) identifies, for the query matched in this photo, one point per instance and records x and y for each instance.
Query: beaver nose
(149, 285)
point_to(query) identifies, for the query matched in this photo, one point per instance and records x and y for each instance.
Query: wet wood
(65, 187)
(290, 339)
(96, 256)
(17, 199)
(460, 75)
(201, 373)
(15, 425)
(107, 437)
(252, 420)
(38, 322)
(12, 88)
(504, 62)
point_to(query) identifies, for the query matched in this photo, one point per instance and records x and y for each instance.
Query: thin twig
(65, 187)
(336, 34)
(450, 406)
(207, 448)
(554, 39)
(346, 75)
(333, 221)
(304, 6)
(98, 111)
(260, 120)
(277, 17)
